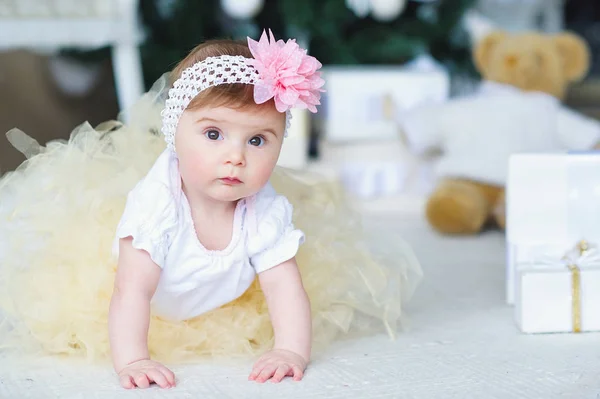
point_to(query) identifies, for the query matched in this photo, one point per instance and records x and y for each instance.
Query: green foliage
(333, 33)
(340, 37)
(172, 32)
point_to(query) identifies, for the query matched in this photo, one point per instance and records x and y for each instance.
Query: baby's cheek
(195, 171)
(262, 174)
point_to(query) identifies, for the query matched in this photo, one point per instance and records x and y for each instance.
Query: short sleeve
(150, 218)
(577, 131)
(276, 239)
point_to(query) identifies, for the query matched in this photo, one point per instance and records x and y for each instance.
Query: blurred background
(64, 62)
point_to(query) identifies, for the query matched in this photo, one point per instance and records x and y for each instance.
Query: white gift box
(294, 151)
(366, 103)
(552, 200)
(554, 295)
(377, 169)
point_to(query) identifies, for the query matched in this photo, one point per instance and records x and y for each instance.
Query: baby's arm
(289, 308)
(129, 318)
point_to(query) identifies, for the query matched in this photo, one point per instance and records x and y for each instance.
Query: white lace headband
(279, 70)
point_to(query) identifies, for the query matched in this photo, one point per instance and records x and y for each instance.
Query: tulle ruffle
(58, 215)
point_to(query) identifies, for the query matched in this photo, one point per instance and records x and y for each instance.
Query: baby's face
(228, 154)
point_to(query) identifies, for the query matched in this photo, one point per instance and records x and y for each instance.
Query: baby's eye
(213, 134)
(257, 141)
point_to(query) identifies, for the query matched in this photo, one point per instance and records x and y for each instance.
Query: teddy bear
(516, 108)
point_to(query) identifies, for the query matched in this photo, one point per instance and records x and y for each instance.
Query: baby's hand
(143, 372)
(278, 364)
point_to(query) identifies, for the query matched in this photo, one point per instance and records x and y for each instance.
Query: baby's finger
(126, 381)
(158, 377)
(267, 372)
(256, 369)
(262, 362)
(168, 374)
(141, 380)
(280, 373)
(298, 373)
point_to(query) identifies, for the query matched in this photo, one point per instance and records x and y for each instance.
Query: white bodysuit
(195, 280)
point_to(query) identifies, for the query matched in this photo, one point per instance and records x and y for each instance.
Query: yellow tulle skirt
(58, 215)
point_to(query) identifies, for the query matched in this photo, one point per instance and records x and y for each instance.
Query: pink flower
(287, 74)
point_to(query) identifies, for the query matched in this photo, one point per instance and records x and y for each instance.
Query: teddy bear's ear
(484, 48)
(575, 55)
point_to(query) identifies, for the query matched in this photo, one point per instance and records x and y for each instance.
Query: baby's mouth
(232, 181)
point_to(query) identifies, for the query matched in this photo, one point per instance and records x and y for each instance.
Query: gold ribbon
(582, 248)
(575, 297)
(580, 257)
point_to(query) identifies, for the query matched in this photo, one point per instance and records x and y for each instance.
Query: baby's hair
(236, 95)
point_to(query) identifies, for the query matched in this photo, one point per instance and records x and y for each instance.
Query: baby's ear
(484, 49)
(575, 55)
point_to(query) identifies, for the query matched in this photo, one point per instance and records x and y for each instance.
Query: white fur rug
(461, 343)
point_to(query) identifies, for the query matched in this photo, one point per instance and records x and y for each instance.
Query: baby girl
(205, 221)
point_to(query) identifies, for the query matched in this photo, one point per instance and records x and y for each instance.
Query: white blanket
(462, 343)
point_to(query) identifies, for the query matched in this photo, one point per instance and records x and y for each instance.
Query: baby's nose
(235, 156)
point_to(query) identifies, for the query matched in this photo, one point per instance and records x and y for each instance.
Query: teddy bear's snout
(511, 60)
(522, 70)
